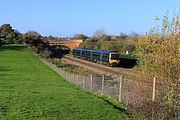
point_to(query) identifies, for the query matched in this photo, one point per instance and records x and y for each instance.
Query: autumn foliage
(159, 57)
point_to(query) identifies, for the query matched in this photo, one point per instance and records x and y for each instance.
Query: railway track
(98, 68)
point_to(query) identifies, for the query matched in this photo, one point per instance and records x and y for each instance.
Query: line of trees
(121, 43)
(160, 59)
(100, 40)
(9, 35)
(37, 42)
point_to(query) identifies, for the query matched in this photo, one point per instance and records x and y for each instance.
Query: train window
(115, 56)
(104, 55)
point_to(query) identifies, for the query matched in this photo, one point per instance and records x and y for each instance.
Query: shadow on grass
(116, 104)
(17, 47)
(4, 71)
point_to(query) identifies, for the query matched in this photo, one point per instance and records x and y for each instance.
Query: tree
(35, 40)
(5, 29)
(32, 37)
(159, 58)
(80, 36)
(99, 33)
(106, 45)
(123, 35)
(2, 41)
(10, 35)
(109, 45)
(90, 43)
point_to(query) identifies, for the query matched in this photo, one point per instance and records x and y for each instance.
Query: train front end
(114, 59)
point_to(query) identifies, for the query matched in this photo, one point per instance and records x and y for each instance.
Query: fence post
(74, 78)
(120, 87)
(103, 76)
(91, 80)
(154, 89)
(84, 81)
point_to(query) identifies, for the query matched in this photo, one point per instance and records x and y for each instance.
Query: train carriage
(110, 57)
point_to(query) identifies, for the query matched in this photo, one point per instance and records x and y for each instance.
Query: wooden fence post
(91, 80)
(154, 89)
(120, 87)
(103, 77)
(84, 82)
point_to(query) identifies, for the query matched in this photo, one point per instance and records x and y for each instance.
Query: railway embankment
(101, 69)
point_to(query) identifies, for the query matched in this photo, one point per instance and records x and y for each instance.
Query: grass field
(31, 90)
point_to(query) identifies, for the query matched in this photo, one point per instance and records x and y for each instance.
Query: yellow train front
(109, 57)
(114, 58)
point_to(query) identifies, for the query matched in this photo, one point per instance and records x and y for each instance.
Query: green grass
(31, 90)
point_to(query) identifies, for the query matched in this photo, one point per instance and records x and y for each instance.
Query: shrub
(159, 53)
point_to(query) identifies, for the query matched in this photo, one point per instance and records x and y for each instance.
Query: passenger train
(108, 57)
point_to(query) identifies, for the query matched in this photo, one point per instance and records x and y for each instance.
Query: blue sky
(64, 18)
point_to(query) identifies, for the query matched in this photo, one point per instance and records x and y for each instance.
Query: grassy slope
(31, 90)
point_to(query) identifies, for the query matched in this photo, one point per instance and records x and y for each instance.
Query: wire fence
(131, 93)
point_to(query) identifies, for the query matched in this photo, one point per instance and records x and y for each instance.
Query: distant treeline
(121, 43)
(37, 42)
(99, 40)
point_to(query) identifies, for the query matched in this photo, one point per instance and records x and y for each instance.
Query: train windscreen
(115, 56)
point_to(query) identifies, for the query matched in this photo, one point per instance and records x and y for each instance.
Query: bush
(159, 57)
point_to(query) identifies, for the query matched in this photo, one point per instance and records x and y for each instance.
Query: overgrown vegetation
(37, 42)
(31, 90)
(159, 59)
(8, 35)
(69, 67)
(121, 43)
